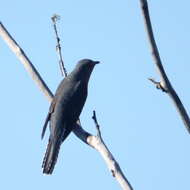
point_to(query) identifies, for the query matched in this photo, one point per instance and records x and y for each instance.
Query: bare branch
(165, 84)
(58, 47)
(25, 61)
(158, 84)
(93, 141)
(98, 143)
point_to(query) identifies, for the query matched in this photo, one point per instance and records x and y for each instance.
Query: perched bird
(65, 109)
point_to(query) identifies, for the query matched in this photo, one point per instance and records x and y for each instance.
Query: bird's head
(84, 68)
(87, 63)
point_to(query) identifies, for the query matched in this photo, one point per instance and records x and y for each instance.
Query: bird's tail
(50, 157)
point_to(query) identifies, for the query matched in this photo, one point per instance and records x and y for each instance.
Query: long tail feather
(50, 157)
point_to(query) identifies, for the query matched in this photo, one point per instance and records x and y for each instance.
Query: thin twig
(158, 84)
(165, 83)
(86, 137)
(54, 19)
(96, 124)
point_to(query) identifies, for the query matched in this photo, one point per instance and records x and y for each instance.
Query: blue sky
(139, 123)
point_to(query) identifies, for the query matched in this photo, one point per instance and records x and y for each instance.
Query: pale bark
(25, 61)
(164, 84)
(93, 141)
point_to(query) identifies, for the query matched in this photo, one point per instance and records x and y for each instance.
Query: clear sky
(139, 124)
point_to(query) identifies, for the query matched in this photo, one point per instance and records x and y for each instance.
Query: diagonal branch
(86, 137)
(25, 61)
(108, 157)
(165, 84)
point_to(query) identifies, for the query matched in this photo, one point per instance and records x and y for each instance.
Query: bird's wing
(51, 109)
(52, 106)
(67, 111)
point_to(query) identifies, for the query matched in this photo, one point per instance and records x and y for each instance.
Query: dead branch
(165, 84)
(54, 19)
(86, 137)
(25, 61)
(112, 164)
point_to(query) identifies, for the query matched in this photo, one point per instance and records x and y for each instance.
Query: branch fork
(159, 85)
(165, 85)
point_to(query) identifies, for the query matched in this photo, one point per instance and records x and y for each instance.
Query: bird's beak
(96, 62)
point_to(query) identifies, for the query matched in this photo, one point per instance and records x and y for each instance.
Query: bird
(65, 110)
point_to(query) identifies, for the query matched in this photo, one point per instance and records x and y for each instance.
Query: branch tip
(96, 124)
(153, 80)
(158, 85)
(55, 18)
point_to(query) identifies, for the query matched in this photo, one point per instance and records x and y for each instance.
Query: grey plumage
(65, 109)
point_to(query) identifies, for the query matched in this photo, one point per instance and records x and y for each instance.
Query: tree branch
(54, 19)
(165, 84)
(112, 164)
(86, 137)
(25, 61)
